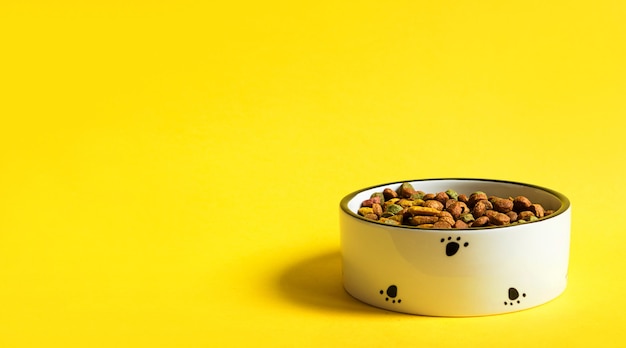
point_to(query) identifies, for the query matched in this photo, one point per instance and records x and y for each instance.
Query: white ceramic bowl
(451, 272)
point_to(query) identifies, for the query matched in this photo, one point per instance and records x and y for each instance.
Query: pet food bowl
(456, 272)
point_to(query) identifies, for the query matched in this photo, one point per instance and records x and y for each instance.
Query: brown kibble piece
(377, 209)
(422, 219)
(406, 190)
(444, 213)
(525, 215)
(428, 196)
(442, 224)
(431, 203)
(538, 210)
(497, 218)
(369, 202)
(480, 222)
(442, 197)
(460, 224)
(447, 219)
(481, 207)
(449, 202)
(389, 194)
(463, 198)
(456, 209)
(512, 215)
(475, 197)
(521, 203)
(501, 205)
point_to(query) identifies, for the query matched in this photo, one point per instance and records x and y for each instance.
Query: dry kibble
(405, 203)
(501, 205)
(448, 219)
(442, 197)
(449, 209)
(452, 194)
(456, 209)
(525, 215)
(365, 210)
(460, 224)
(417, 210)
(537, 209)
(444, 213)
(442, 224)
(422, 219)
(497, 218)
(371, 201)
(521, 203)
(480, 222)
(406, 190)
(475, 197)
(377, 209)
(431, 203)
(371, 216)
(418, 195)
(512, 215)
(428, 196)
(389, 194)
(481, 207)
(386, 204)
(379, 195)
(467, 218)
(463, 198)
(449, 202)
(394, 209)
(389, 221)
(397, 217)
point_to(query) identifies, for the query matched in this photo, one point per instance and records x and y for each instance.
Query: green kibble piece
(532, 218)
(389, 221)
(394, 209)
(417, 195)
(467, 218)
(379, 195)
(407, 186)
(452, 194)
(406, 190)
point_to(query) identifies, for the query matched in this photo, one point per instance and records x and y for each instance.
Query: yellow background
(171, 171)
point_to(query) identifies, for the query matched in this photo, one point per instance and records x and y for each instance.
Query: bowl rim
(565, 204)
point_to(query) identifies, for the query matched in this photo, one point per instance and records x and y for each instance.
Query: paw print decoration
(453, 245)
(391, 294)
(514, 297)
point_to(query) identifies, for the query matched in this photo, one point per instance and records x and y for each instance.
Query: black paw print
(392, 292)
(453, 246)
(514, 296)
